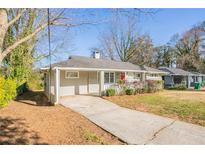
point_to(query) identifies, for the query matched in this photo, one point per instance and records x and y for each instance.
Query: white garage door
(93, 82)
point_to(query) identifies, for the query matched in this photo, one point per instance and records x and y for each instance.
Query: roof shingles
(175, 71)
(87, 62)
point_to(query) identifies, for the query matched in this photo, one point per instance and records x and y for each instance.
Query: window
(112, 77)
(106, 77)
(136, 76)
(71, 74)
(133, 75)
(153, 75)
(109, 77)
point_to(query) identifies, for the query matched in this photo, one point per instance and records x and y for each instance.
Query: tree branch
(18, 16)
(18, 42)
(74, 25)
(56, 20)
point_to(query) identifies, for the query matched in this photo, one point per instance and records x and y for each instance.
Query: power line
(49, 50)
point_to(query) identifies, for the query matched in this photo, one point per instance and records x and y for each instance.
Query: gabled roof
(153, 70)
(87, 62)
(175, 71)
(198, 74)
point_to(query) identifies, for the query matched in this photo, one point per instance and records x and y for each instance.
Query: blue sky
(161, 26)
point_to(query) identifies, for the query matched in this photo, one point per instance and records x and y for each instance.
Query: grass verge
(185, 106)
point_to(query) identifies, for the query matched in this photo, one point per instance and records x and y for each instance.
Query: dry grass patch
(22, 122)
(187, 106)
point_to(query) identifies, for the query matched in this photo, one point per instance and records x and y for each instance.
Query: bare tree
(117, 43)
(121, 41)
(189, 48)
(164, 56)
(125, 45)
(106, 47)
(144, 51)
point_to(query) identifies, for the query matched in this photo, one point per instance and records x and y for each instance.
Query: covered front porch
(171, 80)
(189, 80)
(70, 81)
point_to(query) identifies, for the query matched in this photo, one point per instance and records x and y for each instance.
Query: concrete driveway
(132, 126)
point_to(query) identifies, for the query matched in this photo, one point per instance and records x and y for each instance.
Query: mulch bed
(25, 121)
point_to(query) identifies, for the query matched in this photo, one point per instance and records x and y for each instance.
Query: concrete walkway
(132, 126)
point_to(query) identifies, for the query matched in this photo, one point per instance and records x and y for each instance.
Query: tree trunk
(1, 59)
(3, 30)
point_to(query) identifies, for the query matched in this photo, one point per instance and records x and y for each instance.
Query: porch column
(172, 77)
(101, 85)
(57, 83)
(143, 76)
(188, 81)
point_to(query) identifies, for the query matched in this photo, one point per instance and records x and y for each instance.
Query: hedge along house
(89, 75)
(178, 76)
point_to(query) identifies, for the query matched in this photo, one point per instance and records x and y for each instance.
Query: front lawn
(187, 106)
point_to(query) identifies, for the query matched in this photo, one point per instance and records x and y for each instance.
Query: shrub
(138, 91)
(152, 86)
(22, 88)
(7, 91)
(160, 84)
(121, 82)
(144, 90)
(203, 83)
(148, 86)
(178, 87)
(121, 90)
(35, 81)
(2, 92)
(110, 92)
(10, 88)
(129, 91)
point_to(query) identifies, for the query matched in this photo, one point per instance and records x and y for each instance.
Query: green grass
(188, 110)
(166, 105)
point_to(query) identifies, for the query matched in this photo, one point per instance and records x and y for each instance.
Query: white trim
(101, 84)
(96, 69)
(179, 75)
(57, 85)
(71, 72)
(97, 77)
(44, 68)
(113, 77)
(153, 72)
(102, 69)
(109, 77)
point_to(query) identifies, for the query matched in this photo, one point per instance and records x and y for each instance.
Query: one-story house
(91, 75)
(179, 76)
(153, 73)
(197, 77)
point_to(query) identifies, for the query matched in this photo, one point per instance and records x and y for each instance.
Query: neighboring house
(197, 77)
(178, 76)
(152, 73)
(85, 75)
